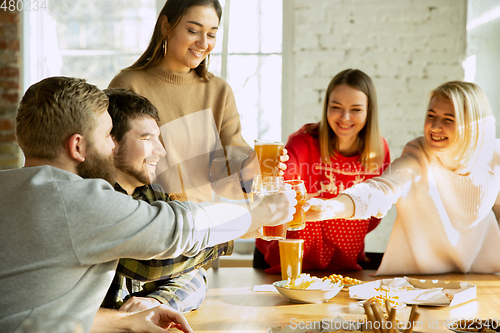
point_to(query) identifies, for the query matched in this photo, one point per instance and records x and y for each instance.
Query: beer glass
(298, 222)
(268, 154)
(266, 186)
(291, 254)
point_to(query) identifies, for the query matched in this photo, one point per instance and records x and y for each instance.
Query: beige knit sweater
(445, 221)
(200, 129)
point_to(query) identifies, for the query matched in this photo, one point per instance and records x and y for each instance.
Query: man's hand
(253, 234)
(134, 304)
(157, 320)
(272, 209)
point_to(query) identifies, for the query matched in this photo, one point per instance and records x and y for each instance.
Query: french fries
(345, 280)
(305, 281)
(382, 300)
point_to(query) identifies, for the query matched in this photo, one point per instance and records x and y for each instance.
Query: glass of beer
(291, 254)
(265, 186)
(268, 154)
(298, 222)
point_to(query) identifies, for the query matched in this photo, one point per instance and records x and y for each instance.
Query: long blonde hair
(173, 10)
(474, 121)
(370, 142)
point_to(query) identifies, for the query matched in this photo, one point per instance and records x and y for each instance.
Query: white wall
(408, 47)
(483, 46)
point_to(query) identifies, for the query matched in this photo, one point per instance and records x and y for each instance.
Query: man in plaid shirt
(138, 284)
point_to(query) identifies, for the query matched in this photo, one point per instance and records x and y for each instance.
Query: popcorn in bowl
(308, 289)
(307, 282)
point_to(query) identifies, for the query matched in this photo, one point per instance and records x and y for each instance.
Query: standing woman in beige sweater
(446, 188)
(199, 122)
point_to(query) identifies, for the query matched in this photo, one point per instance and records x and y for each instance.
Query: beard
(97, 165)
(140, 175)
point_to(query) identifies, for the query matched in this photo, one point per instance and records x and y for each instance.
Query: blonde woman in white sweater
(445, 186)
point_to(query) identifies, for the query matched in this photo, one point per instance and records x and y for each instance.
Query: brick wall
(408, 47)
(10, 87)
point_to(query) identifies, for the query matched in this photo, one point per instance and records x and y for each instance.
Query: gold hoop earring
(164, 48)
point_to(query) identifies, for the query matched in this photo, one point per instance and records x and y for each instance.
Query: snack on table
(305, 281)
(476, 325)
(384, 296)
(383, 299)
(346, 280)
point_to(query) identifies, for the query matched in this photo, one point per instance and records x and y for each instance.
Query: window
(87, 39)
(95, 39)
(254, 62)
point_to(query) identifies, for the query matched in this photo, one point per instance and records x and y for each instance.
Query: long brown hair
(173, 10)
(371, 149)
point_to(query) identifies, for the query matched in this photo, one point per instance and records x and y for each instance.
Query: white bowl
(305, 295)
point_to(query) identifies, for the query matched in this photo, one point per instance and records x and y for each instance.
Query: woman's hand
(316, 210)
(341, 207)
(283, 158)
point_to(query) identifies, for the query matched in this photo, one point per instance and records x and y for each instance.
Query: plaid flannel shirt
(154, 278)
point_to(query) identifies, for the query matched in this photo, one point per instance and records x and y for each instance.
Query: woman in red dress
(343, 149)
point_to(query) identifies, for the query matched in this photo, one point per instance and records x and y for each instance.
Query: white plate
(304, 295)
(347, 286)
(424, 292)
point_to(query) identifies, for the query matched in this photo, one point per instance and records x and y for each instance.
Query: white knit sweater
(445, 221)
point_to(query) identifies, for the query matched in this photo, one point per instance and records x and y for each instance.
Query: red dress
(330, 244)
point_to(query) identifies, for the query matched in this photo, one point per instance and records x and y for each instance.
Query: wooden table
(232, 306)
